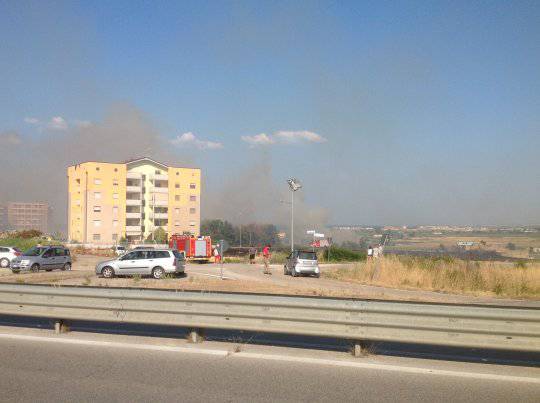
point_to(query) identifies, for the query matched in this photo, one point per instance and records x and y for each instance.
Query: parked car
(43, 258)
(144, 262)
(302, 262)
(119, 250)
(7, 254)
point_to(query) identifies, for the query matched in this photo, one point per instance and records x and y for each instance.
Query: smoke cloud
(36, 168)
(253, 195)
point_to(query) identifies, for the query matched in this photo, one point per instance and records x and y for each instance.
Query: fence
(436, 324)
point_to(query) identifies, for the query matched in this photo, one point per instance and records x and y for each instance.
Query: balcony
(133, 175)
(133, 215)
(133, 229)
(160, 177)
(133, 202)
(164, 216)
(159, 203)
(160, 190)
(134, 189)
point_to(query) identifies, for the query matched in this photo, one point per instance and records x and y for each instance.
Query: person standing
(217, 257)
(252, 252)
(266, 258)
(370, 252)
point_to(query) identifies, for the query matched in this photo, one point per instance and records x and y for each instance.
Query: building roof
(131, 161)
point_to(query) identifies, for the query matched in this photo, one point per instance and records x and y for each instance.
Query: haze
(406, 113)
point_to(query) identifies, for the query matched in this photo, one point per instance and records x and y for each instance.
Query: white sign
(318, 235)
(310, 232)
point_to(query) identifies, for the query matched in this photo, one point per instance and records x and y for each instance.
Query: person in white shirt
(370, 252)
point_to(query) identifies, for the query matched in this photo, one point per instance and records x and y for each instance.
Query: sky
(396, 113)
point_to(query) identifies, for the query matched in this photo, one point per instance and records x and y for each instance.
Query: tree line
(252, 234)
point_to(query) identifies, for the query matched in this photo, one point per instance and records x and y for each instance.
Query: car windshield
(120, 248)
(35, 251)
(307, 255)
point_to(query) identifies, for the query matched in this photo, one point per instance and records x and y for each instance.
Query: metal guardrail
(436, 324)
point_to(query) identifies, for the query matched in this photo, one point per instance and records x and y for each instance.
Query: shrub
(338, 254)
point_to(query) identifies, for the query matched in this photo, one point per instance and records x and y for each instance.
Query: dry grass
(448, 275)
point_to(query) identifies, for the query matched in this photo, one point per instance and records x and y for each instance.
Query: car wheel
(15, 271)
(67, 266)
(317, 275)
(285, 272)
(35, 267)
(157, 272)
(4, 263)
(107, 272)
(293, 272)
(48, 269)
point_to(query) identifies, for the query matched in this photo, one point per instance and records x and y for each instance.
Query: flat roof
(131, 161)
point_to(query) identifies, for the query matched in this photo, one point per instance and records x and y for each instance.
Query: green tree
(218, 229)
(159, 236)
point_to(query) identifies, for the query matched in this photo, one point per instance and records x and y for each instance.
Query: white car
(7, 254)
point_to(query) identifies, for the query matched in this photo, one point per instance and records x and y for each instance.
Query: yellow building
(109, 201)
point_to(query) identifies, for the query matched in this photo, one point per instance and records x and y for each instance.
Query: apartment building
(111, 201)
(22, 216)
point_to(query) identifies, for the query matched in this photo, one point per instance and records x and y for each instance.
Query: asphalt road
(33, 370)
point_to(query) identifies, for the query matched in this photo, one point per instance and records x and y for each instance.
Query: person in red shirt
(266, 258)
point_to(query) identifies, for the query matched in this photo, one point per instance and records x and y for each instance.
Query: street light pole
(294, 184)
(292, 220)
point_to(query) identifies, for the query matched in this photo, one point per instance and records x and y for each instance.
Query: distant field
(497, 243)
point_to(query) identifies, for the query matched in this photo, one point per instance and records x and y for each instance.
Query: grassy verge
(520, 280)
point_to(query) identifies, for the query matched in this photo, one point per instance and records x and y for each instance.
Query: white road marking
(273, 357)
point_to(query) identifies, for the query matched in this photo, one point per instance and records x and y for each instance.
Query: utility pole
(292, 221)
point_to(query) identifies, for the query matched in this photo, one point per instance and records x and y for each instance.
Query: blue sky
(427, 112)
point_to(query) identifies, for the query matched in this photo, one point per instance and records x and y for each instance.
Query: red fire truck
(195, 248)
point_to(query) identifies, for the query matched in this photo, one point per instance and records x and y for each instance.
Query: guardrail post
(196, 335)
(60, 326)
(360, 348)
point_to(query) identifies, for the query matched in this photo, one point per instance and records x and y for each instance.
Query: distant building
(111, 201)
(22, 216)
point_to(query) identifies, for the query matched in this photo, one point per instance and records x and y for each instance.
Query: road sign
(316, 235)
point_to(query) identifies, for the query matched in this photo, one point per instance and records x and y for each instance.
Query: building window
(115, 195)
(177, 173)
(177, 210)
(97, 168)
(177, 223)
(192, 211)
(78, 181)
(115, 223)
(97, 195)
(192, 223)
(115, 182)
(97, 209)
(97, 223)
(114, 237)
(78, 202)
(177, 198)
(192, 186)
(97, 181)
(96, 237)
(177, 185)
(115, 169)
(158, 172)
(115, 210)
(192, 198)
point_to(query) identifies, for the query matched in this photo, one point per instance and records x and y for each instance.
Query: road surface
(37, 367)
